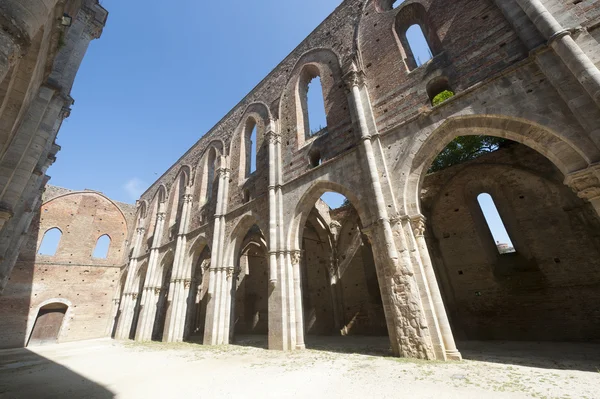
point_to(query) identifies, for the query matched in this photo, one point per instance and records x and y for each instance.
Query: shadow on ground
(547, 355)
(25, 374)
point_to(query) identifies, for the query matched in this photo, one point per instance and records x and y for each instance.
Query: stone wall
(548, 289)
(89, 286)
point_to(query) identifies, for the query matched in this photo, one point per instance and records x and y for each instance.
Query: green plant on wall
(466, 148)
(441, 97)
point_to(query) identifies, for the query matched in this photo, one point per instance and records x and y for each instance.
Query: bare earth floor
(335, 368)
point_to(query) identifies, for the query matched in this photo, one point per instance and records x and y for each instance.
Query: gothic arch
(321, 62)
(559, 150)
(307, 202)
(256, 114)
(237, 235)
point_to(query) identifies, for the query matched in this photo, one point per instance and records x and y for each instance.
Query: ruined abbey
(234, 239)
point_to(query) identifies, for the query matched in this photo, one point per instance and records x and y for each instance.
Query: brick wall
(549, 289)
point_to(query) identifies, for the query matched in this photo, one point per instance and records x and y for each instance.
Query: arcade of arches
(234, 240)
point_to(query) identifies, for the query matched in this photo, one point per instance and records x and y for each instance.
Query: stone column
(213, 332)
(152, 284)
(562, 42)
(21, 21)
(408, 330)
(586, 184)
(127, 305)
(452, 353)
(295, 257)
(181, 278)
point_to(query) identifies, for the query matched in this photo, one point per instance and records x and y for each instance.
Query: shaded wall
(88, 286)
(550, 288)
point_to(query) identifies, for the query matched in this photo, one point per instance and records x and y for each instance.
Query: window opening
(317, 119)
(50, 242)
(334, 200)
(418, 45)
(495, 224)
(102, 245)
(253, 150)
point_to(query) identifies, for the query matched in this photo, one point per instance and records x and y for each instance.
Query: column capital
(272, 137)
(418, 223)
(223, 172)
(140, 230)
(295, 256)
(353, 77)
(188, 198)
(586, 182)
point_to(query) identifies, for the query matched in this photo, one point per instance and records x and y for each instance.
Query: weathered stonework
(39, 58)
(217, 250)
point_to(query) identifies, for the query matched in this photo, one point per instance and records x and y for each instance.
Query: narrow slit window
(253, 150)
(418, 45)
(50, 242)
(102, 245)
(495, 224)
(317, 119)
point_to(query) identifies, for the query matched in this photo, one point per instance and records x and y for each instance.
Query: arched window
(50, 242)
(397, 3)
(419, 48)
(495, 224)
(253, 150)
(102, 245)
(417, 35)
(178, 191)
(312, 115)
(317, 121)
(249, 148)
(208, 176)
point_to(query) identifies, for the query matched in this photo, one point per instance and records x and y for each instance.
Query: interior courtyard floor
(349, 367)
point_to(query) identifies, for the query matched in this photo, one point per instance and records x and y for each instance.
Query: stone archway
(568, 157)
(527, 269)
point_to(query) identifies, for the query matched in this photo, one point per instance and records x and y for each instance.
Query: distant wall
(72, 276)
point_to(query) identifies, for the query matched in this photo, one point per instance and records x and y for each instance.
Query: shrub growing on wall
(443, 96)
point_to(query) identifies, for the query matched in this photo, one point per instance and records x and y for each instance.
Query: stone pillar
(127, 305)
(152, 284)
(562, 42)
(408, 330)
(295, 257)
(586, 184)
(213, 332)
(452, 353)
(181, 278)
(21, 21)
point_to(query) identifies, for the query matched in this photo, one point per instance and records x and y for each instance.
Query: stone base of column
(300, 347)
(454, 355)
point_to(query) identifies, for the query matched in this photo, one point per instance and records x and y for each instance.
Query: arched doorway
(198, 297)
(48, 324)
(163, 304)
(251, 291)
(515, 251)
(340, 292)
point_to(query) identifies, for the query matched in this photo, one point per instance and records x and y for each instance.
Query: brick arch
(307, 202)
(562, 152)
(322, 62)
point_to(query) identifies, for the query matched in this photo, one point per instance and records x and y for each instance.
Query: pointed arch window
(495, 224)
(249, 148)
(417, 35)
(50, 242)
(102, 246)
(208, 176)
(312, 114)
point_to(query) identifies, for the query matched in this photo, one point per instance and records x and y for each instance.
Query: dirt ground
(353, 368)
